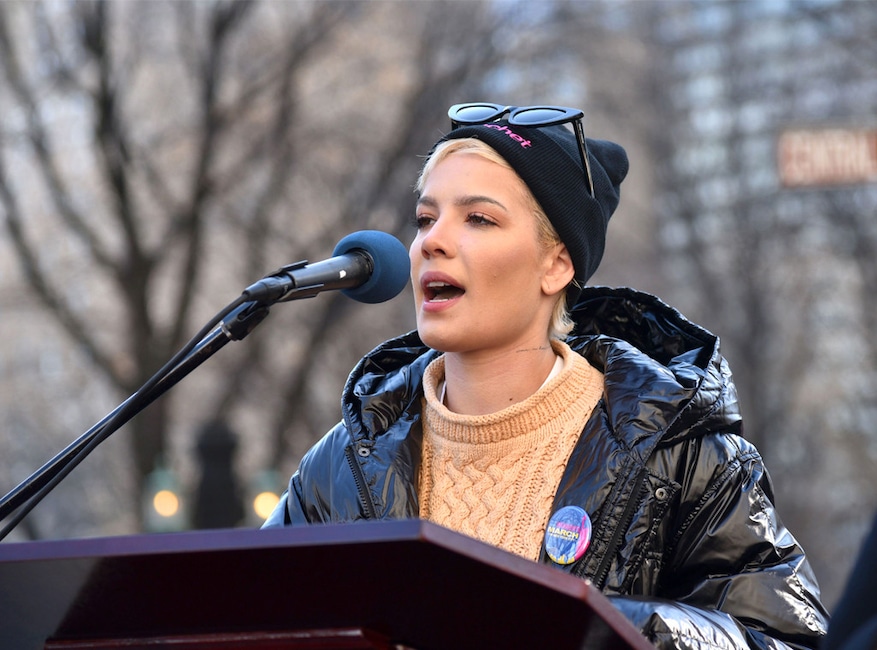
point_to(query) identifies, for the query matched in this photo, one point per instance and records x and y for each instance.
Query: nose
(436, 239)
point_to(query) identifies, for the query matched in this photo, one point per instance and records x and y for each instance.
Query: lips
(439, 288)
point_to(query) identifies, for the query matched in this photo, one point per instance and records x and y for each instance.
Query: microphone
(369, 266)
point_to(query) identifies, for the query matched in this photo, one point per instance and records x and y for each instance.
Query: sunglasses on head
(531, 116)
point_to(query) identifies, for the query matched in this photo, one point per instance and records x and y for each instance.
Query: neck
(482, 384)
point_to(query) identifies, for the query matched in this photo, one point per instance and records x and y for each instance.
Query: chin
(437, 340)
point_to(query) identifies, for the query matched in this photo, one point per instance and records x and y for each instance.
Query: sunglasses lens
(475, 113)
(544, 115)
(537, 116)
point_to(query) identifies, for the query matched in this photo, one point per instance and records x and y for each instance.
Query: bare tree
(152, 215)
(213, 134)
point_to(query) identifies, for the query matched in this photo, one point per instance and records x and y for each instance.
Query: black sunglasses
(532, 116)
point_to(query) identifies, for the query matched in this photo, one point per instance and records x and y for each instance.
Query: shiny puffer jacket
(686, 541)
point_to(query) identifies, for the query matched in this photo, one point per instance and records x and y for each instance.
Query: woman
(604, 441)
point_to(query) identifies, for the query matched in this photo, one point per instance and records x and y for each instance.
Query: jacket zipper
(359, 479)
(626, 518)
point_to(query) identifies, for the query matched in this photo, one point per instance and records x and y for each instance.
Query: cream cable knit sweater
(493, 477)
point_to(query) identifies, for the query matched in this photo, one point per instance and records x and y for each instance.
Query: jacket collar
(662, 372)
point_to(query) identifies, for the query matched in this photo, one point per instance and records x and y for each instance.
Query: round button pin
(568, 535)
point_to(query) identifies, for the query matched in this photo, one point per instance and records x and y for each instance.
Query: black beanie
(547, 159)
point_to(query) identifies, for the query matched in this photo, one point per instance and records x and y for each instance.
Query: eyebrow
(463, 201)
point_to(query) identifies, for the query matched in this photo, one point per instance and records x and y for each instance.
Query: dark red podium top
(395, 584)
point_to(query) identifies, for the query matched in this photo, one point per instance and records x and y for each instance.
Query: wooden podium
(394, 585)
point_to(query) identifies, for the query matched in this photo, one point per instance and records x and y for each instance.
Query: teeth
(439, 291)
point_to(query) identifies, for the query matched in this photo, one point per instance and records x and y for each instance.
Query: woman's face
(482, 280)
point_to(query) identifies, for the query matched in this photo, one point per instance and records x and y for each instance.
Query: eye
(421, 221)
(478, 219)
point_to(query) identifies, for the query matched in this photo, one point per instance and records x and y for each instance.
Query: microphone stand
(238, 320)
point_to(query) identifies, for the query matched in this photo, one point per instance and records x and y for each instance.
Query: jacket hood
(663, 374)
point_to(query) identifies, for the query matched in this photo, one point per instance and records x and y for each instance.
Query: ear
(559, 270)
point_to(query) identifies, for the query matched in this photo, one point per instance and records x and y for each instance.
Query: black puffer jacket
(685, 541)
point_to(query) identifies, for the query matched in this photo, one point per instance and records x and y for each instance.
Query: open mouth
(441, 291)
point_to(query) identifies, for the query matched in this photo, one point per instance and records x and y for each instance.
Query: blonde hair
(561, 323)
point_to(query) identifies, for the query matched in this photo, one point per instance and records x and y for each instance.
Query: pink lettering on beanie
(514, 136)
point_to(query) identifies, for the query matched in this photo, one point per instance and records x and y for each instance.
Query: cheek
(519, 269)
(415, 258)
(493, 267)
(414, 249)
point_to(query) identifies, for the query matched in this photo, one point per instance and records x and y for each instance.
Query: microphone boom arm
(236, 325)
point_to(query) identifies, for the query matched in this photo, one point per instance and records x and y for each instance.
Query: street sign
(821, 157)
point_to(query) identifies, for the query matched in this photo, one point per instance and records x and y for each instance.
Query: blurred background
(158, 157)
